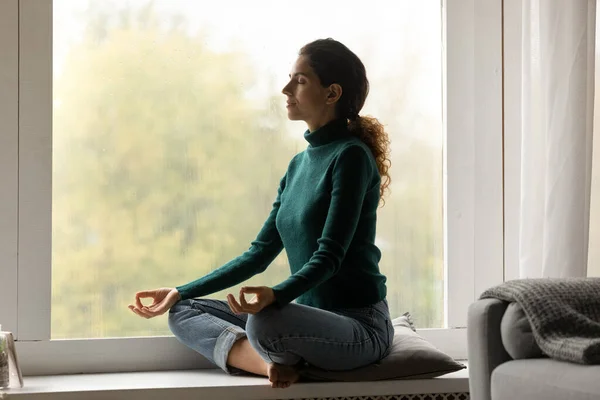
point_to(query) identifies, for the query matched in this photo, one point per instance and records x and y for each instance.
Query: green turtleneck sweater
(325, 217)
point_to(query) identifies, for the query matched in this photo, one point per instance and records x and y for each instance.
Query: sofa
(493, 335)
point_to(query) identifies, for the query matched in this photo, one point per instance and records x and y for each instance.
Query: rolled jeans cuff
(223, 346)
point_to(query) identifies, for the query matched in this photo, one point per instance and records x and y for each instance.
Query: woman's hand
(263, 297)
(163, 300)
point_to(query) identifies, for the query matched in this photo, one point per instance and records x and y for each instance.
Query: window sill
(214, 384)
(165, 353)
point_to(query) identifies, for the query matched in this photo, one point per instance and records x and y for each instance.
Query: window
(170, 136)
(152, 136)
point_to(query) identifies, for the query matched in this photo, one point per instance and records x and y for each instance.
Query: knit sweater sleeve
(255, 260)
(351, 177)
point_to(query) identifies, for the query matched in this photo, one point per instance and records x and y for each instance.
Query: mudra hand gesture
(263, 297)
(163, 300)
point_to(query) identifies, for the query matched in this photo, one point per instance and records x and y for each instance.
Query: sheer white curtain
(556, 150)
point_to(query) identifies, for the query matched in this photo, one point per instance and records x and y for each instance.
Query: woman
(325, 217)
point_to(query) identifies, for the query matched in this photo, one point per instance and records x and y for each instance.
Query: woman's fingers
(162, 300)
(152, 313)
(138, 312)
(233, 304)
(159, 308)
(154, 307)
(252, 307)
(252, 289)
(145, 312)
(154, 304)
(263, 297)
(141, 295)
(243, 302)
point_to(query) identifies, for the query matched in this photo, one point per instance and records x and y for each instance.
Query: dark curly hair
(335, 63)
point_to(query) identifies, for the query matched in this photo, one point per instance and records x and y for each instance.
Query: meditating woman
(325, 217)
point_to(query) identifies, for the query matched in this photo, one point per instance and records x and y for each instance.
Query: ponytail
(373, 134)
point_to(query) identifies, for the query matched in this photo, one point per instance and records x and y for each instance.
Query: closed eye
(300, 76)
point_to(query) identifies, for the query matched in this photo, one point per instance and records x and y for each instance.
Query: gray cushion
(545, 379)
(411, 357)
(517, 336)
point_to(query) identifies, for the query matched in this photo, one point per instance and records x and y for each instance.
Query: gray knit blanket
(564, 314)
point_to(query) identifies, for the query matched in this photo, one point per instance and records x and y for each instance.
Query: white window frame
(473, 221)
(473, 153)
(513, 45)
(9, 150)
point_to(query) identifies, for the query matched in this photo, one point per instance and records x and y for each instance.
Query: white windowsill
(214, 384)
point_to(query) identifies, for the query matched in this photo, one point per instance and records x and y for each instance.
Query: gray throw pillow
(516, 333)
(411, 357)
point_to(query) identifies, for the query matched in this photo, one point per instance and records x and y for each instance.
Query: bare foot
(282, 376)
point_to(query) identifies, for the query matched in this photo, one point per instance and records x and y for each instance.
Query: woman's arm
(255, 260)
(351, 178)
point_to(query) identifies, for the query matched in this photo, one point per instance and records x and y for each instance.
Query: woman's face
(307, 99)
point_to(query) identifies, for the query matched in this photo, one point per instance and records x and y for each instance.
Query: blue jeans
(336, 340)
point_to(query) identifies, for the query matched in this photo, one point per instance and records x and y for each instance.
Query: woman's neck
(323, 120)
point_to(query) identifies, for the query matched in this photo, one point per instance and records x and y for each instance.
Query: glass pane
(171, 135)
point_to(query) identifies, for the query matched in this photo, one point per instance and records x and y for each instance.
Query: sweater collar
(330, 132)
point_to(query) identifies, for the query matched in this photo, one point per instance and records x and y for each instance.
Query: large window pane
(170, 136)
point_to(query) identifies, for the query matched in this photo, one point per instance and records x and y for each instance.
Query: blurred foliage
(166, 168)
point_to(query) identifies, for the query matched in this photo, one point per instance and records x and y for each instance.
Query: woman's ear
(334, 93)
